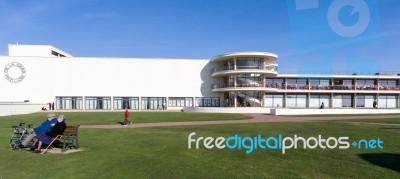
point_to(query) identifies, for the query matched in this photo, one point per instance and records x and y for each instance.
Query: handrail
(224, 68)
(354, 73)
(307, 87)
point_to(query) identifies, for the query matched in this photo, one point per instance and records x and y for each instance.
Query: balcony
(243, 87)
(269, 70)
(342, 88)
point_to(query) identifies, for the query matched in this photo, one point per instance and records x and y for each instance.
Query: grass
(383, 121)
(86, 118)
(338, 115)
(161, 152)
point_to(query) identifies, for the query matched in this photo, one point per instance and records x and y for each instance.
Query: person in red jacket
(126, 114)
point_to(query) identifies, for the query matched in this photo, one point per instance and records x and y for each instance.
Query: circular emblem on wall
(14, 72)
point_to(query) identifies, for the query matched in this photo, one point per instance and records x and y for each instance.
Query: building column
(263, 99)
(377, 99)
(235, 99)
(285, 87)
(140, 104)
(84, 103)
(377, 83)
(167, 102)
(354, 100)
(263, 82)
(112, 103)
(234, 63)
(398, 101)
(308, 100)
(285, 100)
(235, 79)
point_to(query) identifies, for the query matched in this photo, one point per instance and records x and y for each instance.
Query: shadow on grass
(386, 160)
(120, 123)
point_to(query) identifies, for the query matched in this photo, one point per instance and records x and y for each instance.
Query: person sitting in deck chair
(322, 106)
(47, 138)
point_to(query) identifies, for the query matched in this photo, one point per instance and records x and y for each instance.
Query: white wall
(22, 50)
(7, 109)
(50, 77)
(227, 110)
(287, 111)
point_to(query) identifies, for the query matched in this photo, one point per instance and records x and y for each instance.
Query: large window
(296, 83)
(274, 100)
(249, 98)
(249, 63)
(360, 101)
(229, 81)
(126, 102)
(365, 85)
(153, 102)
(364, 101)
(207, 102)
(317, 100)
(180, 102)
(229, 64)
(387, 101)
(97, 102)
(229, 99)
(342, 101)
(320, 83)
(275, 83)
(340, 84)
(388, 85)
(248, 80)
(69, 102)
(296, 101)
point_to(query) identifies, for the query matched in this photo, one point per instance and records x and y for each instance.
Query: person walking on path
(126, 117)
(375, 104)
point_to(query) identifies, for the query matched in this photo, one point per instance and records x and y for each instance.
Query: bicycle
(19, 134)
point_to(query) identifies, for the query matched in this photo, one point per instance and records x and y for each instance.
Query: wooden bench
(69, 138)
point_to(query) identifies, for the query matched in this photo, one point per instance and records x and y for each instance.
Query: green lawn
(161, 152)
(85, 118)
(336, 115)
(385, 121)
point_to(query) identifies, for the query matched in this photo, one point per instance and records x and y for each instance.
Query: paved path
(257, 118)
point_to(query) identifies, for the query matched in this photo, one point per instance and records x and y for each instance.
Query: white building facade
(45, 74)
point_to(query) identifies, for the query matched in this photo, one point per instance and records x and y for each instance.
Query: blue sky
(205, 28)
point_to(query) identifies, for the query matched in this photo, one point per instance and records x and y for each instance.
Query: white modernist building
(36, 74)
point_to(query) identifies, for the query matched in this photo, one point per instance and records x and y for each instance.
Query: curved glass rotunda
(241, 78)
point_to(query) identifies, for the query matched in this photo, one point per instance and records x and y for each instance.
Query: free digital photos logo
(279, 142)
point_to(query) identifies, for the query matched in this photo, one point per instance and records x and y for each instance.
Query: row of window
(244, 63)
(300, 101)
(77, 102)
(243, 80)
(327, 82)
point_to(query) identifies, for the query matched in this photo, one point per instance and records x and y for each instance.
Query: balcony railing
(244, 85)
(307, 87)
(342, 87)
(340, 72)
(224, 68)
